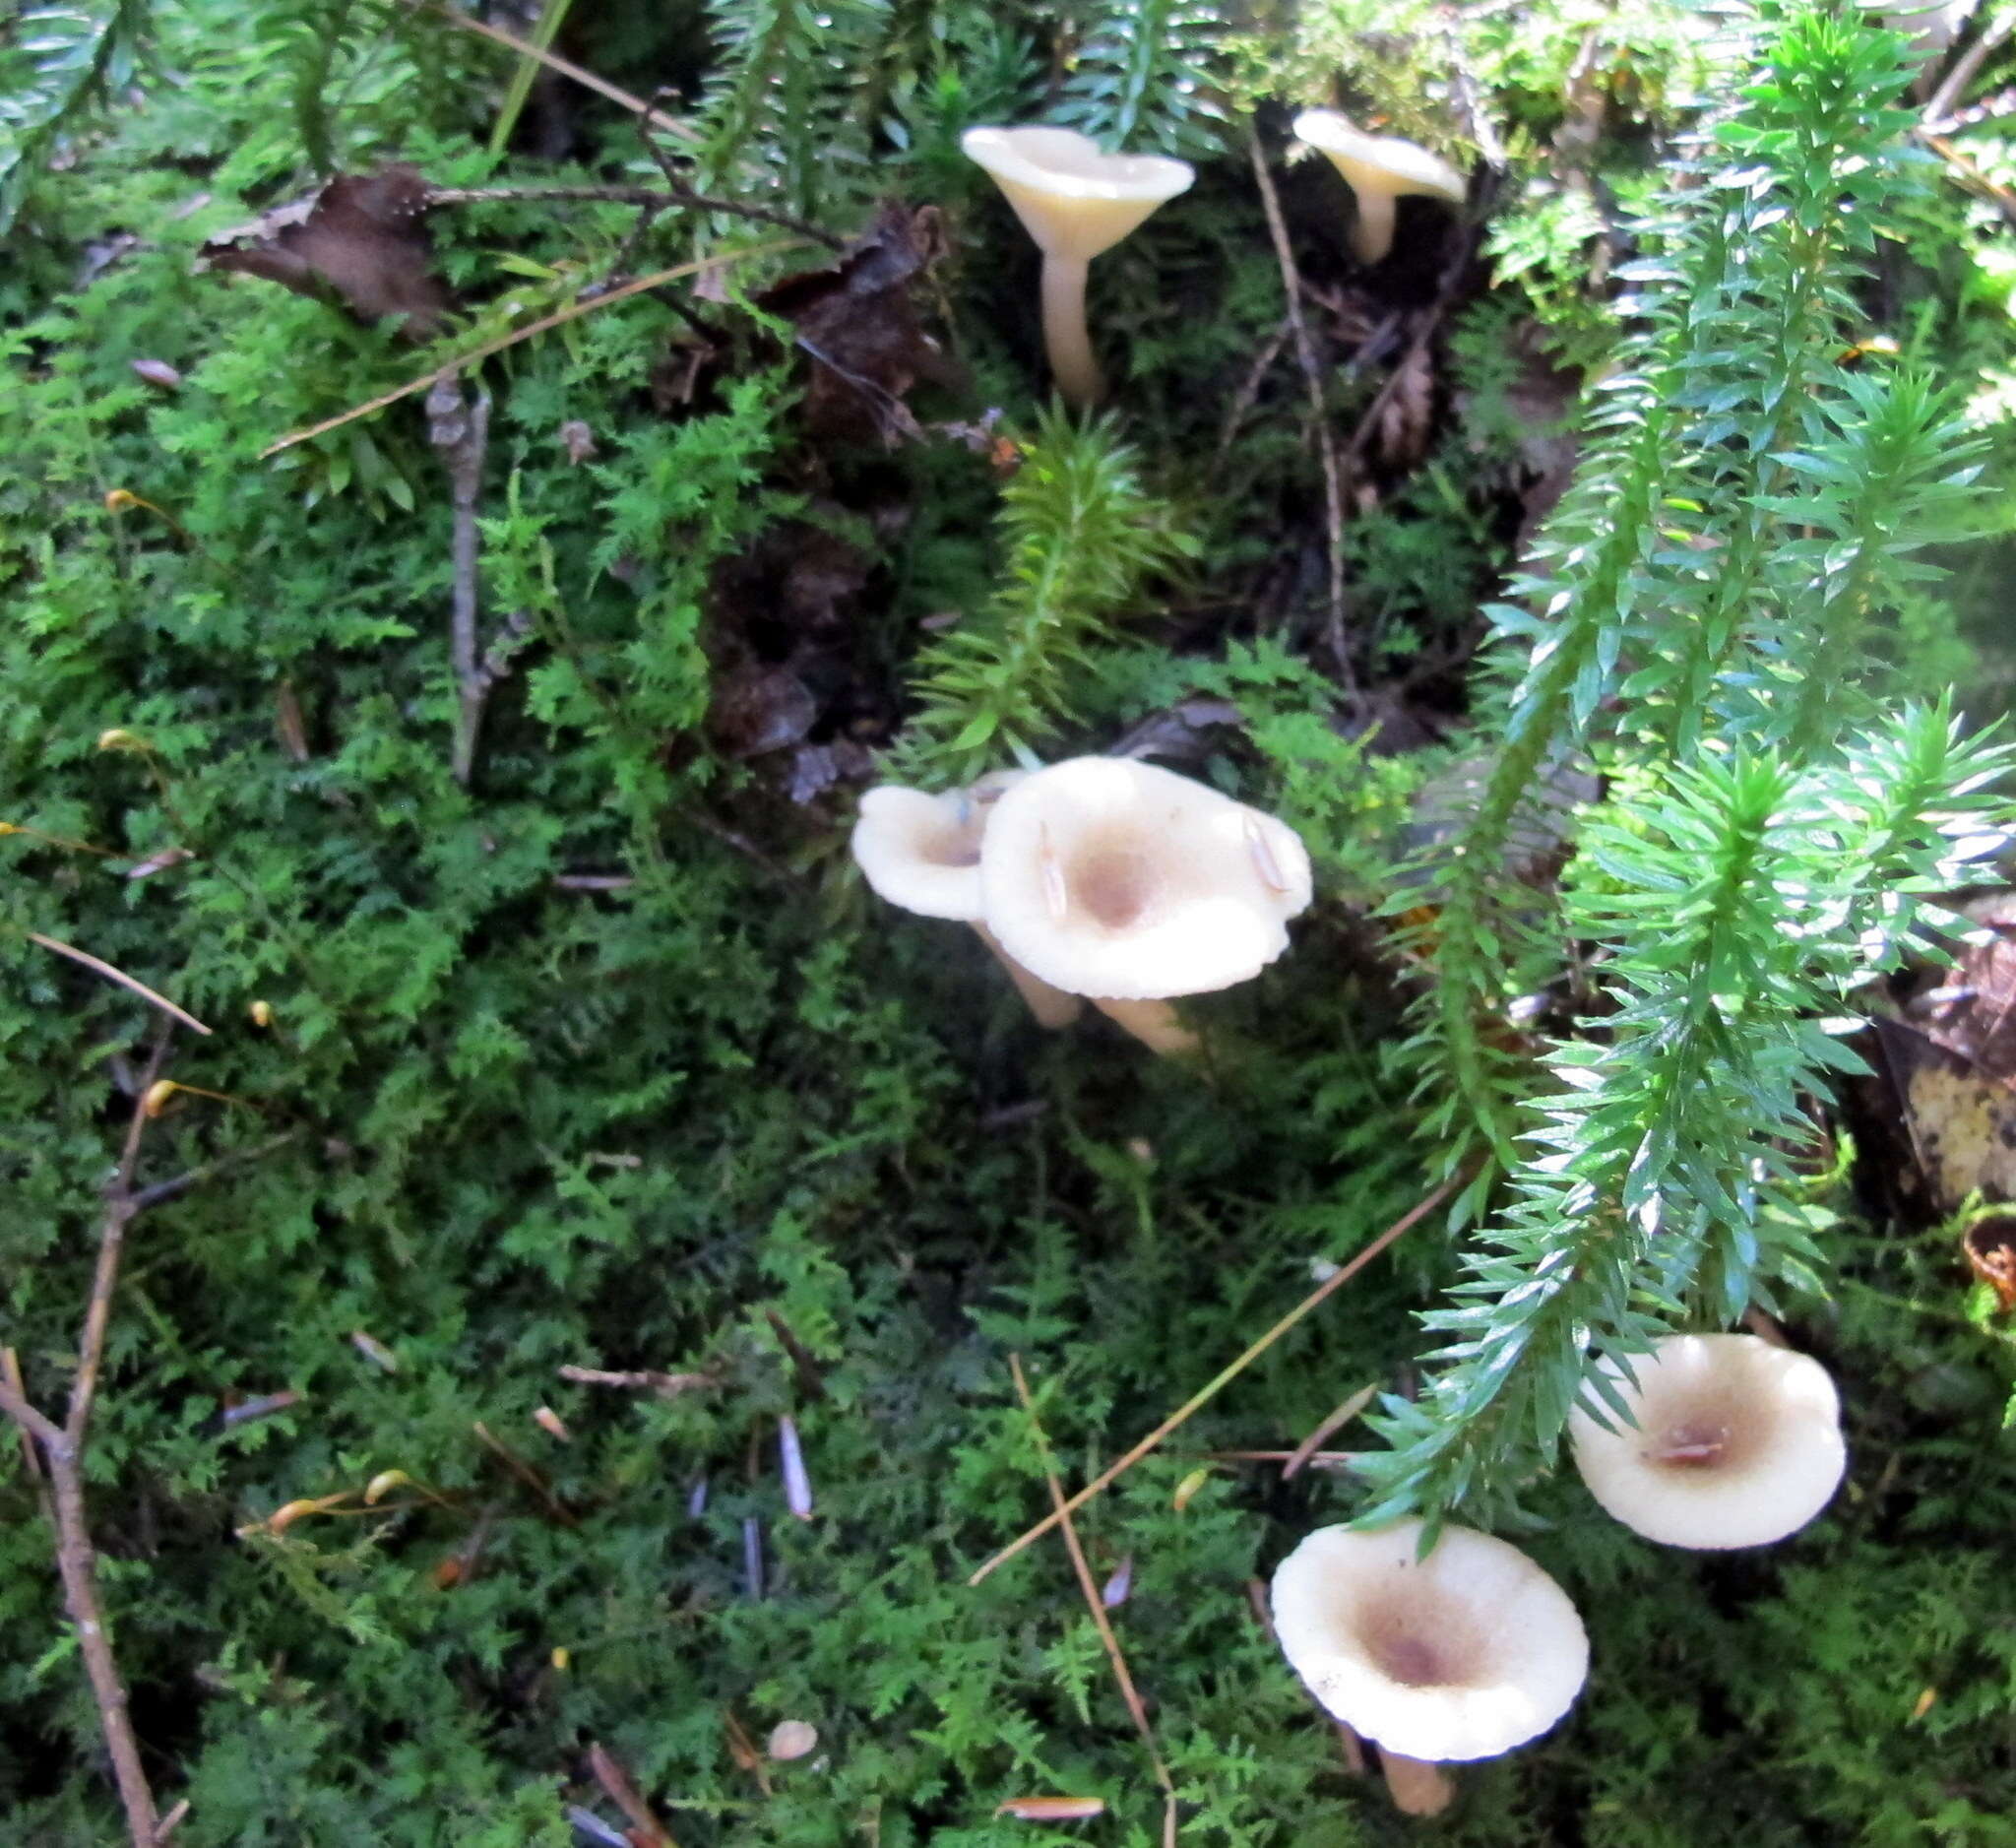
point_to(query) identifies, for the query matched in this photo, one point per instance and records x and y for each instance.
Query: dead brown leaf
(860, 325)
(360, 239)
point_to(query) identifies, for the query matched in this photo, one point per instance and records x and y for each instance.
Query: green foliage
(1081, 534)
(1703, 608)
(787, 113)
(56, 62)
(607, 1061)
(1142, 76)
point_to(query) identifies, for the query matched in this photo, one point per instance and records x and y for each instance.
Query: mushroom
(1462, 1654)
(1128, 885)
(922, 852)
(1737, 1442)
(1075, 201)
(1378, 168)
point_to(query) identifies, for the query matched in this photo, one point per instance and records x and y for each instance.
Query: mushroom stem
(1052, 1006)
(1065, 336)
(1418, 1786)
(1371, 232)
(1154, 1023)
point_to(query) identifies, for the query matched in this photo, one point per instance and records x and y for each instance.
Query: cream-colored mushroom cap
(1379, 169)
(1112, 878)
(1072, 198)
(1737, 1442)
(1462, 1655)
(923, 851)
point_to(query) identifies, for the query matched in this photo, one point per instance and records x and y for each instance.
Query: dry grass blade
(544, 325)
(1096, 1605)
(1336, 1422)
(120, 976)
(1198, 1400)
(567, 68)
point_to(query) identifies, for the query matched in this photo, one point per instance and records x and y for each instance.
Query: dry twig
(62, 1447)
(105, 969)
(1305, 352)
(544, 325)
(1214, 1386)
(552, 60)
(652, 198)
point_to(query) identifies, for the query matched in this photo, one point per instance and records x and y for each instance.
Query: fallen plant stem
(1094, 1604)
(1306, 354)
(105, 969)
(62, 1447)
(544, 325)
(1312, 1444)
(1198, 1400)
(650, 197)
(566, 67)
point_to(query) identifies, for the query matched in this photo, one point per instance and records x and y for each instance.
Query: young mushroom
(1461, 1655)
(1076, 201)
(1737, 1442)
(922, 852)
(1129, 884)
(1378, 168)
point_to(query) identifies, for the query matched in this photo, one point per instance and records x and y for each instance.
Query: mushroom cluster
(1100, 876)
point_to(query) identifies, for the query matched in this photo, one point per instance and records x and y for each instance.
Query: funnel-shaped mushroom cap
(1112, 878)
(1072, 199)
(923, 851)
(1739, 1443)
(1462, 1655)
(1378, 163)
(1379, 170)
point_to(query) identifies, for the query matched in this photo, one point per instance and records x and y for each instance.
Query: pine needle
(1205, 1394)
(1096, 1605)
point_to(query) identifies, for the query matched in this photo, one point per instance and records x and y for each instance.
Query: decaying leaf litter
(801, 634)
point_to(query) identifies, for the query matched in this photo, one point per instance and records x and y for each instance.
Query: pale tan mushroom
(1737, 1442)
(922, 852)
(1076, 201)
(1378, 168)
(1461, 1655)
(1129, 884)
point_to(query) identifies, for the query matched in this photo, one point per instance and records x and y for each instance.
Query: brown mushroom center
(1117, 887)
(1420, 1642)
(1699, 1430)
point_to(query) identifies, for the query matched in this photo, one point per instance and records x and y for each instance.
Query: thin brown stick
(1312, 377)
(1966, 67)
(1336, 1422)
(1094, 1604)
(62, 1449)
(105, 969)
(650, 197)
(119, 1210)
(1213, 1387)
(544, 325)
(587, 79)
